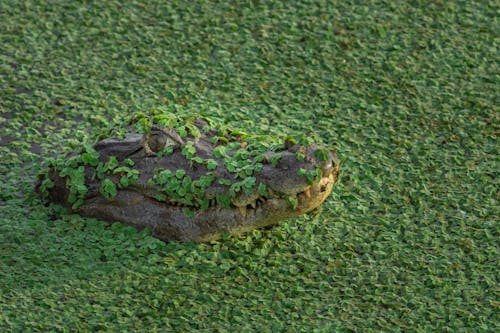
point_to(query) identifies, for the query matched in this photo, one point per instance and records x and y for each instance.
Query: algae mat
(406, 91)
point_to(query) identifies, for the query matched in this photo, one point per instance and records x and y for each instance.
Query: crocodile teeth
(307, 192)
(243, 211)
(253, 204)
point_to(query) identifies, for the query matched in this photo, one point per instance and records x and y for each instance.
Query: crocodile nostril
(322, 188)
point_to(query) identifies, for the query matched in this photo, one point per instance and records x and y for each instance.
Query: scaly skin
(144, 204)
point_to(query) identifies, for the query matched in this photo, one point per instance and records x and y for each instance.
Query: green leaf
(223, 201)
(292, 201)
(71, 197)
(197, 159)
(275, 159)
(167, 150)
(180, 173)
(170, 95)
(262, 190)
(122, 169)
(188, 150)
(161, 197)
(100, 171)
(223, 181)
(46, 184)
(110, 164)
(129, 162)
(203, 202)
(163, 177)
(186, 182)
(206, 180)
(216, 139)
(322, 154)
(193, 130)
(290, 140)
(211, 164)
(77, 203)
(124, 181)
(220, 152)
(300, 156)
(182, 131)
(91, 158)
(301, 172)
(181, 191)
(173, 185)
(260, 158)
(249, 182)
(188, 212)
(108, 189)
(235, 188)
(81, 189)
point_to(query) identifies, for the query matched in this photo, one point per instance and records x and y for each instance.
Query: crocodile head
(185, 179)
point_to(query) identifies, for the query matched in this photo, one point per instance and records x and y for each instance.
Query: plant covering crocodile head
(185, 178)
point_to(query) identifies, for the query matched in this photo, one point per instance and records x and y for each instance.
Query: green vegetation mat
(406, 91)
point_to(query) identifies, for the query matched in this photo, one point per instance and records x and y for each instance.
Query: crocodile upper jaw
(168, 222)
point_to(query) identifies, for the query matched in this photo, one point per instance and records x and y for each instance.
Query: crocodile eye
(156, 142)
(322, 188)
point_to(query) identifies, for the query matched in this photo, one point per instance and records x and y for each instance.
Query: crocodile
(186, 179)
